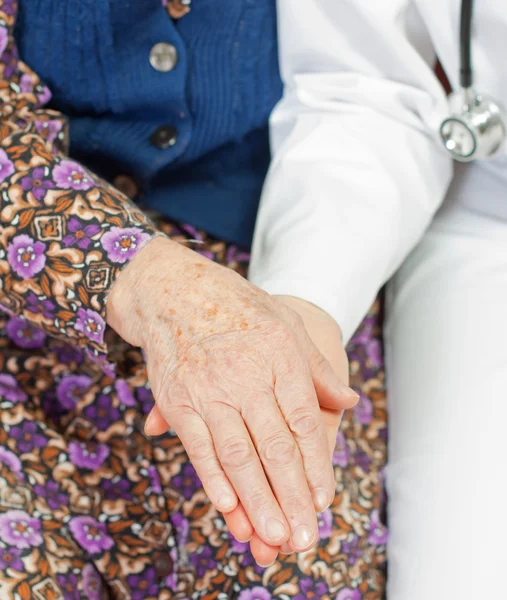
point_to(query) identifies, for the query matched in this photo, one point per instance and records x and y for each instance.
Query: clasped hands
(254, 386)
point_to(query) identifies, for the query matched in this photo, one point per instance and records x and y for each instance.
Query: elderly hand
(239, 380)
(326, 336)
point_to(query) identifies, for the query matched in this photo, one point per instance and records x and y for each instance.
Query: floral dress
(90, 508)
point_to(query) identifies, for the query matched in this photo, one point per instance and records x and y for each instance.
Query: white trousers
(446, 364)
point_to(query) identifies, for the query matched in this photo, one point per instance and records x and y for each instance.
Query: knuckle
(304, 423)
(236, 453)
(297, 504)
(278, 450)
(320, 364)
(256, 504)
(200, 449)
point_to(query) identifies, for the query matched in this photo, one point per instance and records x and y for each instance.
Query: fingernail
(244, 541)
(351, 393)
(226, 501)
(302, 537)
(286, 549)
(265, 566)
(275, 530)
(320, 499)
(149, 419)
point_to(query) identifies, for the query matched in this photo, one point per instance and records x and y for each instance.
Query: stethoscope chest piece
(476, 127)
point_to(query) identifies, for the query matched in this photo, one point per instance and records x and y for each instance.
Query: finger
(328, 367)
(264, 554)
(240, 462)
(239, 524)
(332, 420)
(287, 548)
(320, 339)
(197, 441)
(298, 403)
(281, 459)
(331, 391)
(155, 423)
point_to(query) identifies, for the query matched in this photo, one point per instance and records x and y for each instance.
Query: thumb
(321, 340)
(331, 390)
(155, 423)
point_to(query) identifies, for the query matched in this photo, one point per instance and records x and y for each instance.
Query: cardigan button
(126, 185)
(164, 137)
(163, 57)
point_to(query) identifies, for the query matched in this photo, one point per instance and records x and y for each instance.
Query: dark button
(163, 565)
(164, 137)
(126, 185)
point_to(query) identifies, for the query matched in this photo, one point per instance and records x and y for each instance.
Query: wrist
(128, 294)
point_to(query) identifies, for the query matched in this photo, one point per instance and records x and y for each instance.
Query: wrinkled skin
(236, 374)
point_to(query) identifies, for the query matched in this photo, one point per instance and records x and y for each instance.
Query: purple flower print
(374, 352)
(79, 234)
(49, 130)
(69, 586)
(325, 523)
(351, 547)
(4, 38)
(348, 594)
(246, 559)
(19, 529)
(38, 182)
(378, 531)
(311, 589)
(364, 410)
(11, 461)
(43, 94)
(53, 494)
(39, 306)
(91, 324)
(123, 244)
(362, 460)
(88, 455)
(67, 354)
(24, 334)
(116, 489)
(11, 558)
(71, 389)
(90, 534)
(26, 83)
(26, 256)
(28, 436)
(145, 398)
(6, 165)
(9, 7)
(69, 175)
(125, 395)
(155, 482)
(203, 561)
(143, 585)
(102, 413)
(256, 593)
(10, 60)
(10, 390)
(181, 526)
(238, 547)
(341, 451)
(187, 482)
(92, 583)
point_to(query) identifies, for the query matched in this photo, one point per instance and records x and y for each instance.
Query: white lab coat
(358, 170)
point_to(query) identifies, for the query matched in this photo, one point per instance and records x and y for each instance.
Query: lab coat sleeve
(357, 170)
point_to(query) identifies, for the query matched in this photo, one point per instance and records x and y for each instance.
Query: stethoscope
(477, 126)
